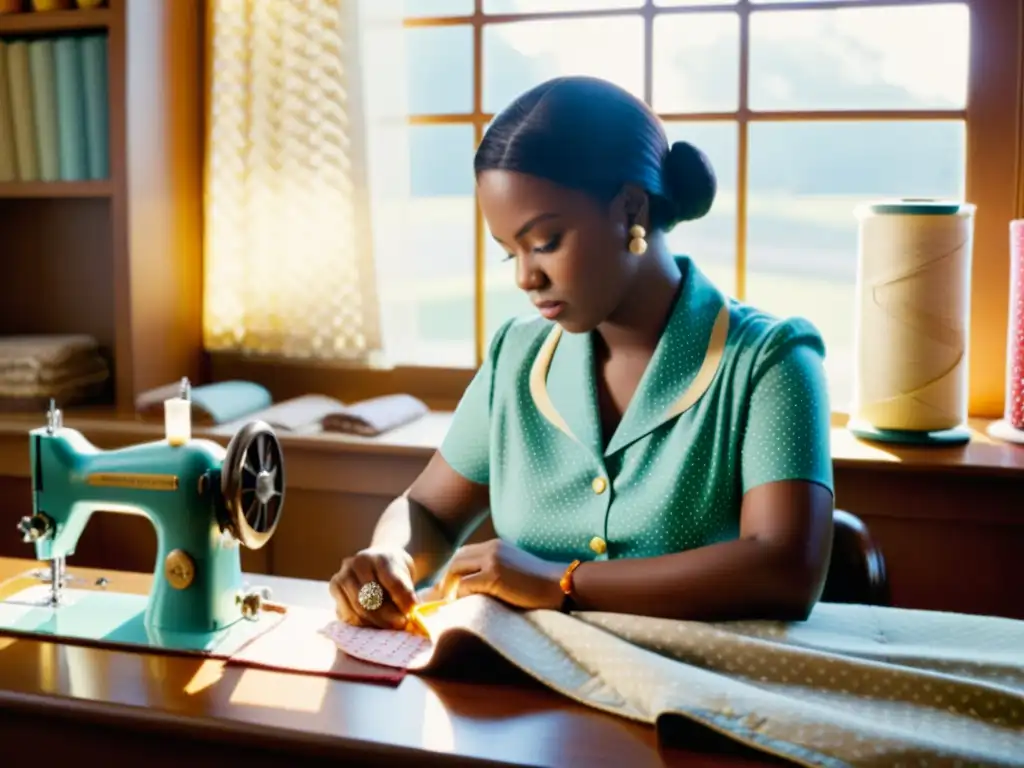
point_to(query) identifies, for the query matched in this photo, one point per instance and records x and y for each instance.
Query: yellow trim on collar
(539, 385)
(699, 385)
(708, 368)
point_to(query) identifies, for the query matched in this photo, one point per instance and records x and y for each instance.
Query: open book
(299, 415)
(310, 414)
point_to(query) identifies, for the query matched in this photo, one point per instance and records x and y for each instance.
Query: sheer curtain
(305, 105)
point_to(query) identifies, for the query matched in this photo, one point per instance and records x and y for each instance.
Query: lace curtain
(289, 267)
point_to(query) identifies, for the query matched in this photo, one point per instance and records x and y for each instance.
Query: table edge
(222, 730)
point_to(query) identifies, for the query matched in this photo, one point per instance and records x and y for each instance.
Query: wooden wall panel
(952, 542)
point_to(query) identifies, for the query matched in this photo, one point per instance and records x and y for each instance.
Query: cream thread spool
(1011, 427)
(913, 322)
(178, 416)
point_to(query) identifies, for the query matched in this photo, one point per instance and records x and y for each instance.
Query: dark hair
(590, 135)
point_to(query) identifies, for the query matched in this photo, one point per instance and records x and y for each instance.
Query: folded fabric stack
(33, 369)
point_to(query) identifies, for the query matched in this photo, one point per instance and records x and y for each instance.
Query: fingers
(396, 583)
(466, 561)
(430, 594)
(447, 587)
(343, 605)
(474, 583)
(351, 586)
(344, 587)
(387, 616)
(392, 572)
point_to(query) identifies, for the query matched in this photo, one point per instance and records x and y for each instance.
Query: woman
(646, 445)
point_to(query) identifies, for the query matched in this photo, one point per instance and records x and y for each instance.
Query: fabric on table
(852, 686)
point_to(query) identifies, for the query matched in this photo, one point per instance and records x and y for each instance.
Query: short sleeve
(788, 430)
(467, 445)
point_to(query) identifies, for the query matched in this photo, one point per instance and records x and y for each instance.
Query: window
(805, 108)
(804, 112)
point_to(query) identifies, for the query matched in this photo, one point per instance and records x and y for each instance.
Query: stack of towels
(33, 369)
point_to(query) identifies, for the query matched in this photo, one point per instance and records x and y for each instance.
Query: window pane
(431, 8)
(552, 6)
(427, 289)
(805, 180)
(520, 55)
(915, 57)
(711, 241)
(439, 63)
(696, 62)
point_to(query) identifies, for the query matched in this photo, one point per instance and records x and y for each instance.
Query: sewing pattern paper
(297, 645)
(390, 648)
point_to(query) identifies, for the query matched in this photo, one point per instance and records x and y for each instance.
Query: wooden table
(74, 702)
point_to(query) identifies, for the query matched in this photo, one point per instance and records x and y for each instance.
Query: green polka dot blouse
(731, 399)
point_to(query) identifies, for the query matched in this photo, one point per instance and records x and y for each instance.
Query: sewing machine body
(74, 479)
(203, 501)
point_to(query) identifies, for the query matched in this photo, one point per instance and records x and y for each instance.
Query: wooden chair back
(856, 573)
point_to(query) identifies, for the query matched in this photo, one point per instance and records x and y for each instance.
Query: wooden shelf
(79, 257)
(55, 189)
(53, 21)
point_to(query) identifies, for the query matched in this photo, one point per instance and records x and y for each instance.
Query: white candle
(178, 420)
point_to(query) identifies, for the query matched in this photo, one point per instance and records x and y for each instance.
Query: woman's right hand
(392, 569)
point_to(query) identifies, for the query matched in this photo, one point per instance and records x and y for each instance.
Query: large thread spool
(1011, 426)
(913, 322)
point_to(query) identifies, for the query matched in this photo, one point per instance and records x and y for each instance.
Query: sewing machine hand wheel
(252, 484)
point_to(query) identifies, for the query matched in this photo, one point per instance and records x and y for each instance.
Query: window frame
(994, 183)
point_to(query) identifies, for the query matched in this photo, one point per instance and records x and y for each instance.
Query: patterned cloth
(731, 399)
(1014, 409)
(852, 686)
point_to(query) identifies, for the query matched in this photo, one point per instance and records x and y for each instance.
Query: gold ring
(371, 596)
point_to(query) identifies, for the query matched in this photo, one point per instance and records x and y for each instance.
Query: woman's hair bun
(690, 180)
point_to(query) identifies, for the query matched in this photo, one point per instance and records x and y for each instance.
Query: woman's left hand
(505, 572)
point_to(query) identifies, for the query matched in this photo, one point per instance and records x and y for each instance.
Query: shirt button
(598, 545)
(599, 485)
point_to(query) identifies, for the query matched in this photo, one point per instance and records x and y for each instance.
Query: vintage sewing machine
(204, 502)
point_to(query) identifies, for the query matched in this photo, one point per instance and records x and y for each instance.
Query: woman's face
(570, 251)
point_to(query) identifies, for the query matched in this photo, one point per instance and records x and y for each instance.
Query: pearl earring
(637, 243)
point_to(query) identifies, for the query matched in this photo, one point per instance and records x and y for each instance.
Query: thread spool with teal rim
(912, 322)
